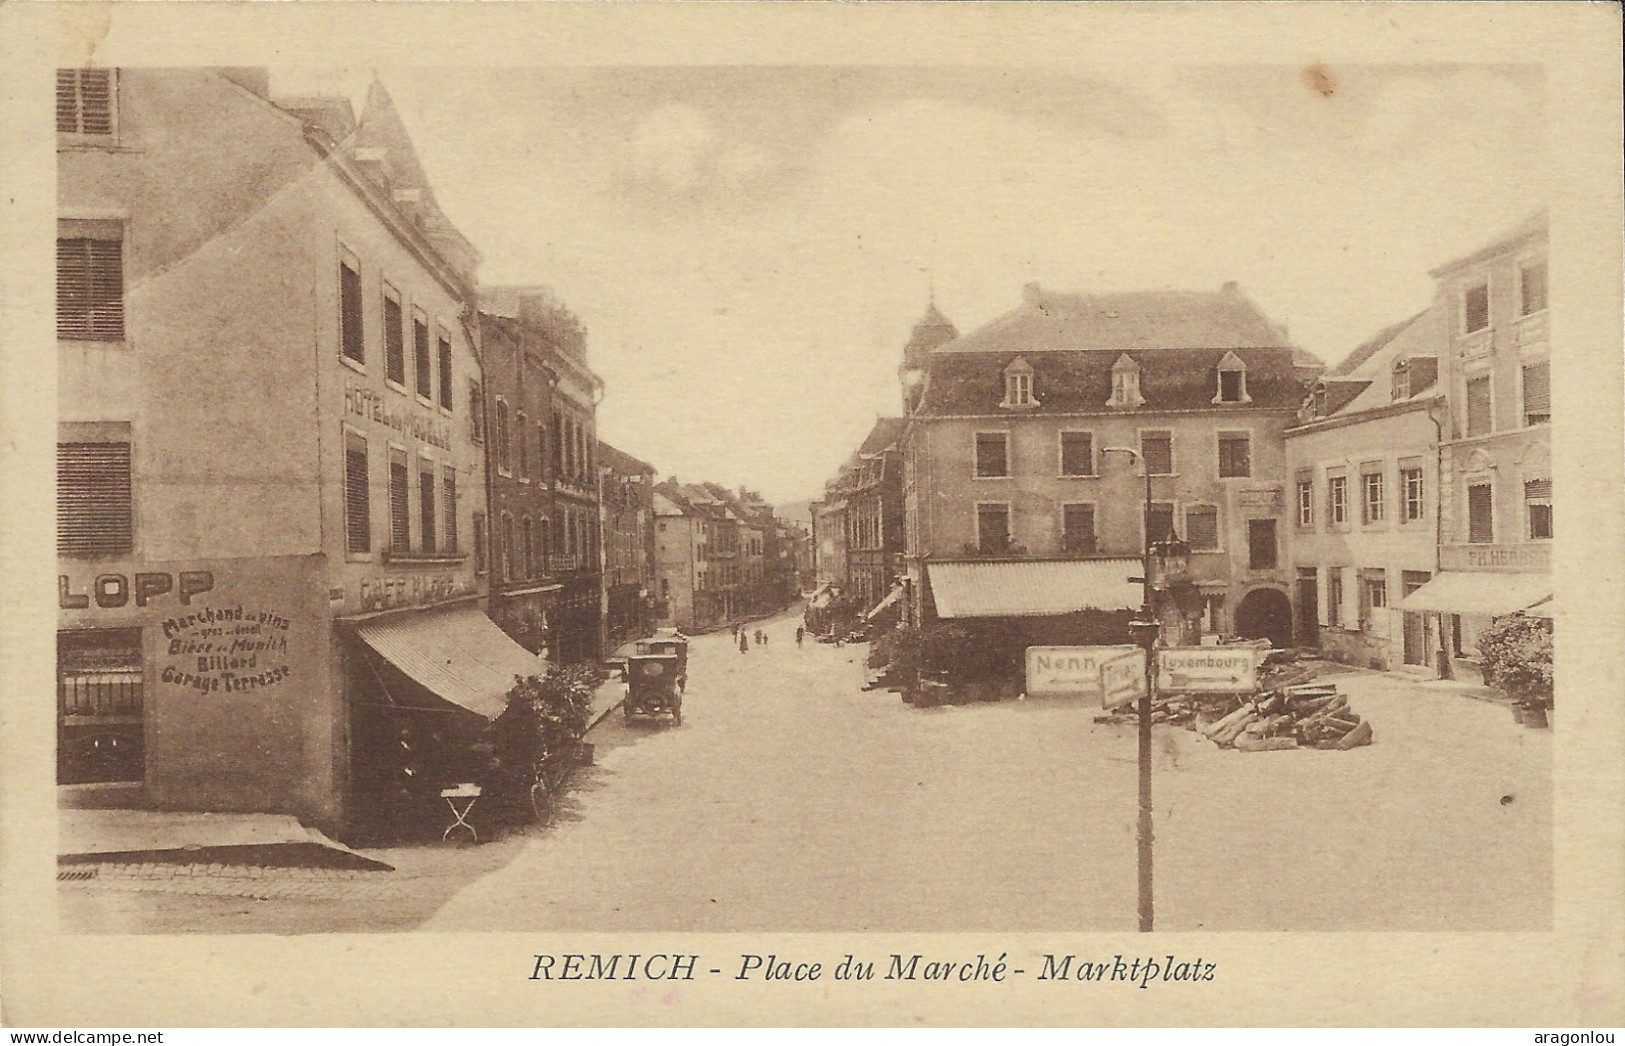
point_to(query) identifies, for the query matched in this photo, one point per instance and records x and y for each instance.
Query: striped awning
(457, 654)
(892, 597)
(1034, 588)
(1468, 592)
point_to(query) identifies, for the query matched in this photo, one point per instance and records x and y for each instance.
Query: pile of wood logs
(1309, 716)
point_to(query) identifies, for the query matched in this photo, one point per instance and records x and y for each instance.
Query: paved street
(791, 800)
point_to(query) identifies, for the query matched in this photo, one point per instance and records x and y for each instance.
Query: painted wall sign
(1495, 557)
(226, 650)
(363, 402)
(116, 590)
(411, 590)
(1074, 670)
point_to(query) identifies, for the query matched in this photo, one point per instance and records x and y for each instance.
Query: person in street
(744, 643)
(801, 634)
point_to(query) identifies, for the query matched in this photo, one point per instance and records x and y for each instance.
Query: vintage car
(654, 685)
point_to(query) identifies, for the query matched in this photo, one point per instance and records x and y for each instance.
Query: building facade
(1364, 498)
(626, 494)
(1495, 462)
(267, 459)
(1029, 443)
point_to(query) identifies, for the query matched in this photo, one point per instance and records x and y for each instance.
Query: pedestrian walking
(801, 633)
(744, 644)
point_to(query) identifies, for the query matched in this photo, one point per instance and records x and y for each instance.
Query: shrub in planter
(546, 716)
(1517, 658)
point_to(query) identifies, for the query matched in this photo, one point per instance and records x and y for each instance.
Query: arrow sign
(1073, 670)
(1122, 679)
(1207, 668)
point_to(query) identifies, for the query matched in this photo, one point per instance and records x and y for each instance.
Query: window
(558, 445)
(424, 363)
(394, 338)
(99, 685)
(90, 280)
(992, 527)
(1162, 521)
(528, 546)
(1334, 596)
(448, 498)
(1306, 500)
(1373, 506)
(1537, 500)
(1157, 452)
(479, 543)
(1125, 383)
(1480, 514)
(400, 513)
(501, 436)
(1261, 544)
(445, 371)
(357, 496)
(1478, 405)
(992, 458)
(1018, 385)
(476, 412)
(1533, 281)
(541, 450)
(1078, 529)
(1077, 454)
(1235, 454)
(84, 101)
(507, 552)
(1411, 478)
(352, 343)
(1337, 500)
(1373, 594)
(1475, 308)
(1202, 528)
(1399, 387)
(1232, 380)
(520, 427)
(428, 509)
(94, 510)
(1537, 393)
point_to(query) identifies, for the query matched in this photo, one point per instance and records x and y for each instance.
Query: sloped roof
(1371, 346)
(885, 434)
(1421, 339)
(1532, 227)
(665, 506)
(934, 329)
(1073, 381)
(621, 462)
(1050, 322)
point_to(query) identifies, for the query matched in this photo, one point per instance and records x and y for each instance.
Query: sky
(749, 247)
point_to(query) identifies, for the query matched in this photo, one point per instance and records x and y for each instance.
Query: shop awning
(1466, 592)
(459, 654)
(892, 597)
(821, 597)
(1034, 588)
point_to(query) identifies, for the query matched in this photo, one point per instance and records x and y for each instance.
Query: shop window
(1373, 496)
(1537, 393)
(445, 370)
(99, 702)
(357, 495)
(1475, 308)
(1078, 529)
(1157, 452)
(1235, 455)
(1411, 478)
(90, 280)
(1202, 528)
(992, 528)
(352, 341)
(1077, 454)
(448, 499)
(1478, 405)
(992, 454)
(394, 337)
(1337, 500)
(1306, 501)
(1533, 280)
(1480, 514)
(428, 507)
(1261, 547)
(423, 363)
(85, 102)
(94, 502)
(1537, 499)
(1161, 520)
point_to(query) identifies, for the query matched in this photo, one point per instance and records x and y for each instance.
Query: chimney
(1032, 294)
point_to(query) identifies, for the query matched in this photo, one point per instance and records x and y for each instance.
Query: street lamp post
(1146, 630)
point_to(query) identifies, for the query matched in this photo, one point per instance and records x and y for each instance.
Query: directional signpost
(1207, 669)
(1122, 679)
(1069, 670)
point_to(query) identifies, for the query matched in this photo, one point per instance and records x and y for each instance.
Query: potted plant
(1517, 659)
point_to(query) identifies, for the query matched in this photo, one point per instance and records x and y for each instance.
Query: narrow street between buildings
(791, 800)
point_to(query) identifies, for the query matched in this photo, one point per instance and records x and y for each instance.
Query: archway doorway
(1265, 613)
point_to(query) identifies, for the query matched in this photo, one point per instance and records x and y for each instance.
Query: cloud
(680, 149)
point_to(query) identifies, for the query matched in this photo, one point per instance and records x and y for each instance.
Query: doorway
(1308, 608)
(1265, 613)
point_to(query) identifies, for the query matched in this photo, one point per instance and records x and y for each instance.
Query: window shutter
(357, 504)
(84, 101)
(394, 341)
(90, 289)
(427, 513)
(445, 373)
(1478, 406)
(1078, 523)
(1077, 454)
(1480, 514)
(93, 498)
(400, 517)
(420, 356)
(448, 488)
(1162, 521)
(1537, 393)
(351, 342)
(1202, 528)
(1157, 453)
(1537, 489)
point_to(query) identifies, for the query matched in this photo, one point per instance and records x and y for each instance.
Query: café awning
(1468, 592)
(460, 655)
(821, 597)
(1034, 588)
(891, 599)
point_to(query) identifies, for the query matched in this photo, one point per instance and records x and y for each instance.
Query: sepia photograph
(584, 501)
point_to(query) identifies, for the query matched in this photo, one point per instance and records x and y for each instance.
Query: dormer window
(1232, 381)
(1018, 384)
(1125, 383)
